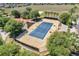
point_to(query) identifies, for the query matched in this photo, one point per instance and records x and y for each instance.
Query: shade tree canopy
(61, 43)
(65, 18)
(15, 13)
(13, 27)
(34, 14)
(3, 21)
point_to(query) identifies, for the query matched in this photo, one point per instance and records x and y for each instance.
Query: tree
(74, 19)
(24, 52)
(15, 13)
(25, 15)
(69, 18)
(28, 9)
(30, 14)
(34, 14)
(10, 49)
(13, 27)
(65, 18)
(3, 21)
(73, 10)
(61, 43)
(59, 51)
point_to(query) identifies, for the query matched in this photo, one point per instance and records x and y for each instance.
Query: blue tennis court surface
(41, 30)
